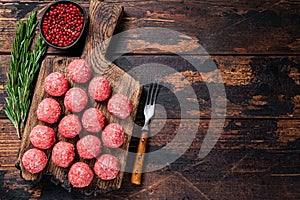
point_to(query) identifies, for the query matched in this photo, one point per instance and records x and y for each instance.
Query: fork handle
(139, 159)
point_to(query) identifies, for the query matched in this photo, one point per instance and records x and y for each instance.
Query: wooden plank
(235, 162)
(221, 28)
(237, 187)
(256, 86)
(121, 83)
(209, 182)
(279, 135)
(4, 66)
(271, 135)
(236, 134)
(247, 173)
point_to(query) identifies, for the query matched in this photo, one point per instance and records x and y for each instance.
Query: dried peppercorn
(62, 24)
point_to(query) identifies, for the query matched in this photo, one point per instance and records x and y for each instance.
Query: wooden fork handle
(139, 159)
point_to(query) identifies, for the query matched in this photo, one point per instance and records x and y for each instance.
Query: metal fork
(148, 113)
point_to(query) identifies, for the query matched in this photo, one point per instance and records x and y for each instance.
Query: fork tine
(155, 93)
(151, 93)
(147, 98)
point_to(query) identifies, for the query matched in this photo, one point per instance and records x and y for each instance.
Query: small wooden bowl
(85, 22)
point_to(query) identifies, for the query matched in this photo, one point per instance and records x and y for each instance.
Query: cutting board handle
(103, 18)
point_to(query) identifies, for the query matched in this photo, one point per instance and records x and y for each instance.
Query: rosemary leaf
(24, 65)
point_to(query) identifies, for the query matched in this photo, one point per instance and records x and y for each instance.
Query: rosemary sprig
(24, 65)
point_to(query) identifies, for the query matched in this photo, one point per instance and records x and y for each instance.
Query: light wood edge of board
(104, 17)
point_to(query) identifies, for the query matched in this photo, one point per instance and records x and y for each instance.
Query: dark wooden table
(256, 46)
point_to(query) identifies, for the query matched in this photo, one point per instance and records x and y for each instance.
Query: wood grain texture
(208, 178)
(256, 86)
(221, 27)
(107, 15)
(137, 169)
(255, 45)
(250, 155)
(260, 134)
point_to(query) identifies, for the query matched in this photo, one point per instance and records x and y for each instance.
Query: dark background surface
(256, 46)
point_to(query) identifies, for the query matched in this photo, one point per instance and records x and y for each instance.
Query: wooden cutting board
(102, 21)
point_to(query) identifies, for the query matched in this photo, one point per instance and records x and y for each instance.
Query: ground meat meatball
(56, 84)
(93, 120)
(79, 71)
(42, 137)
(120, 106)
(48, 111)
(34, 160)
(113, 135)
(88, 147)
(99, 88)
(107, 167)
(69, 126)
(75, 99)
(80, 175)
(63, 154)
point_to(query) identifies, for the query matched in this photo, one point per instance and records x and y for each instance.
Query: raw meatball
(120, 106)
(93, 120)
(34, 160)
(107, 167)
(69, 126)
(99, 88)
(113, 135)
(48, 111)
(56, 84)
(42, 137)
(79, 71)
(75, 99)
(63, 154)
(80, 175)
(88, 147)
